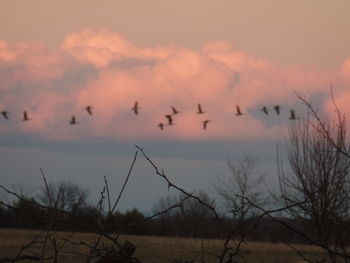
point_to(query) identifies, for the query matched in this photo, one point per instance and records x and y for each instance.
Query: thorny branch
(170, 184)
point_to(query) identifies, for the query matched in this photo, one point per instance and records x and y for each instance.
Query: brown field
(151, 249)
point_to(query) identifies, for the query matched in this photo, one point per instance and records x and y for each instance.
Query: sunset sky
(58, 58)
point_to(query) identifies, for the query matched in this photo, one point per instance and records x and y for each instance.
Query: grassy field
(162, 249)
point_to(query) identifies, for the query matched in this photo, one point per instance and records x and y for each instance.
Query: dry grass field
(163, 249)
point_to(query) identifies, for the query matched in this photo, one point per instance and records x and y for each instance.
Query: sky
(58, 58)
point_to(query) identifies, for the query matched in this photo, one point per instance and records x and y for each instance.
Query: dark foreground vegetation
(311, 206)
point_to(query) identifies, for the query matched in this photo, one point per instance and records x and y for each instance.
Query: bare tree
(65, 196)
(188, 218)
(243, 182)
(316, 187)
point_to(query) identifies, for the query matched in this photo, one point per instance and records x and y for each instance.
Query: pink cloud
(104, 69)
(102, 47)
(9, 52)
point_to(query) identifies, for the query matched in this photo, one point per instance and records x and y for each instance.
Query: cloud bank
(103, 69)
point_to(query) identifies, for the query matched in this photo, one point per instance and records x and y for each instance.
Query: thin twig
(108, 196)
(125, 182)
(47, 187)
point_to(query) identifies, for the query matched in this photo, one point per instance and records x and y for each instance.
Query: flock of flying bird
(205, 122)
(169, 117)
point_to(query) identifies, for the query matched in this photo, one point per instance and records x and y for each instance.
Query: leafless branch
(170, 184)
(47, 188)
(108, 196)
(125, 182)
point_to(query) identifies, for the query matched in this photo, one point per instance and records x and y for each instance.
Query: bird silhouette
(161, 126)
(277, 109)
(4, 113)
(170, 120)
(265, 110)
(89, 109)
(239, 112)
(205, 123)
(25, 116)
(199, 107)
(73, 121)
(136, 108)
(292, 115)
(175, 111)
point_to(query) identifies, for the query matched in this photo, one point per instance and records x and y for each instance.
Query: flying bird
(4, 113)
(175, 111)
(292, 115)
(277, 109)
(239, 112)
(161, 126)
(205, 123)
(25, 116)
(170, 119)
(265, 110)
(73, 121)
(199, 107)
(136, 108)
(89, 109)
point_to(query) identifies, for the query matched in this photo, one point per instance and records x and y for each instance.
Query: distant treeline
(180, 222)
